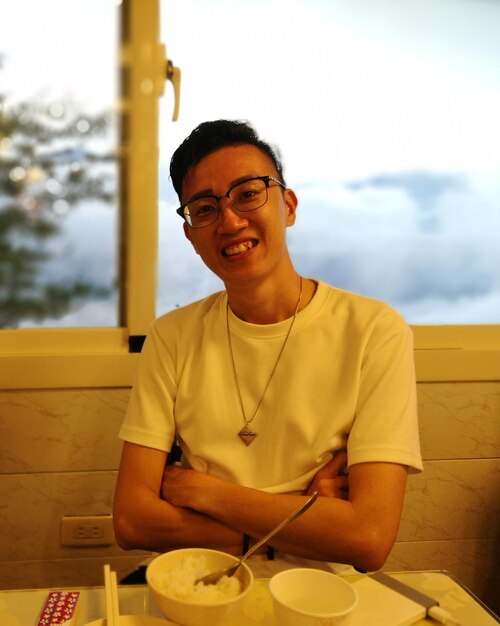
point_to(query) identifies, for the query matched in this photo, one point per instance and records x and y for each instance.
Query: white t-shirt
(345, 380)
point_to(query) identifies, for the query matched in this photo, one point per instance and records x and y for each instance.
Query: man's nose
(230, 219)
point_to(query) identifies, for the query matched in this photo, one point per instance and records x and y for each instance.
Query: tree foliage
(47, 168)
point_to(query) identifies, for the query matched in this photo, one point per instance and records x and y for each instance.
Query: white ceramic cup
(310, 597)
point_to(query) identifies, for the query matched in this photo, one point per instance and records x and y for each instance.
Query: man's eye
(202, 209)
(248, 192)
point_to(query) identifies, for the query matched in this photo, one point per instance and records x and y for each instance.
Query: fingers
(332, 480)
(171, 473)
(336, 464)
(337, 487)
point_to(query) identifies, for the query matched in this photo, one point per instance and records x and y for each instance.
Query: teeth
(238, 248)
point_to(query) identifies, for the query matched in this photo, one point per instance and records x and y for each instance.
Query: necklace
(246, 434)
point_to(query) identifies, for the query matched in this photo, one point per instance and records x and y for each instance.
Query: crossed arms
(355, 520)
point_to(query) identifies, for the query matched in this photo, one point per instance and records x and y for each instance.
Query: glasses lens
(249, 195)
(202, 212)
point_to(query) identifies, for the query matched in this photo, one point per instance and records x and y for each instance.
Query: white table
(22, 607)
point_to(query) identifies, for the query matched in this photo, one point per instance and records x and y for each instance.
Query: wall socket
(87, 530)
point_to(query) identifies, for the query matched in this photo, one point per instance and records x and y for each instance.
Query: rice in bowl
(170, 577)
(179, 582)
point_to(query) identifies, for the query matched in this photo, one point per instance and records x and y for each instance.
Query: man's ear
(292, 203)
(188, 234)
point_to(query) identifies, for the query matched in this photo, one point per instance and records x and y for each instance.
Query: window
(93, 352)
(59, 191)
(388, 116)
(419, 206)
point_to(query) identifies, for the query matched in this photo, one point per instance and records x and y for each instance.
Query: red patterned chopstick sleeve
(59, 609)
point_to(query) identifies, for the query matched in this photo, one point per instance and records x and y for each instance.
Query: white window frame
(100, 357)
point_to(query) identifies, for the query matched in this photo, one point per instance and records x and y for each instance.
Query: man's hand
(331, 480)
(182, 486)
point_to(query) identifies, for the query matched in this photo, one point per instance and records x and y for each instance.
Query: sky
(387, 116)
(369, 76)
(59, 49)
(386, 113)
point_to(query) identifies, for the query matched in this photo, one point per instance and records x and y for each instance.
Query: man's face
(241, 247)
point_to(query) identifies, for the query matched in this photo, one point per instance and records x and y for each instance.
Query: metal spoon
(211, 579)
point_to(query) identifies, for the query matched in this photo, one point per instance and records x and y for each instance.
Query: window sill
(116, 369)
(99, 358)
(66, 358)
(63, 371)
(460, 365)
(457, 353)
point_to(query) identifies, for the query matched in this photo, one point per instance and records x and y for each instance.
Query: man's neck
(267, 304)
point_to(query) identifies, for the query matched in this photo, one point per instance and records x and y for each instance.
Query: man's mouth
(239, 248)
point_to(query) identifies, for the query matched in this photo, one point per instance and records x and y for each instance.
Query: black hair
(211, 136)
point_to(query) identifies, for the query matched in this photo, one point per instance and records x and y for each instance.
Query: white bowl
(311, 597)
(188, 613)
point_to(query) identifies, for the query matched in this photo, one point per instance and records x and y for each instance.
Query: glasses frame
(183, 210)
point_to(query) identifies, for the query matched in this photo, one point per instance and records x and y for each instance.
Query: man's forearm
(142, 520)
(359, 531)
(311, 536)
(148, 523)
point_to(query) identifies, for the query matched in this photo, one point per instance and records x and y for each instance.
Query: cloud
(424, 188)
(371, 237)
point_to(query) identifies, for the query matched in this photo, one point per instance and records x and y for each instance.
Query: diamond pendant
(247, 436)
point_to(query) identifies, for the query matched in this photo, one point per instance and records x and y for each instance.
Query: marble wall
(451, 518)
(59, 454)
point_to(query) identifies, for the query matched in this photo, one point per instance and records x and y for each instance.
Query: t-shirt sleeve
(385, 425)
(149, 420)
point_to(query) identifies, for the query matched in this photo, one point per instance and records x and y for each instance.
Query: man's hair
(211, 136)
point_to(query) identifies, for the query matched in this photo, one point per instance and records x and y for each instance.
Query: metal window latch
(167, 71)
(173, 75)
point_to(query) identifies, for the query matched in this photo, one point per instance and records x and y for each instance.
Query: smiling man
(276, 387)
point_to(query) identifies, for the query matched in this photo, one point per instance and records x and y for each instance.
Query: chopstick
(111, 590)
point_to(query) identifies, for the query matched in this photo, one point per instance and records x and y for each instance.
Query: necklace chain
(246, 434)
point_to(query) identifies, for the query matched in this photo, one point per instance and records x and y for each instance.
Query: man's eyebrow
(242, 179)
(203, 193)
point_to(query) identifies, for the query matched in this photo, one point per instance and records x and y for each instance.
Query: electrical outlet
(87, 530)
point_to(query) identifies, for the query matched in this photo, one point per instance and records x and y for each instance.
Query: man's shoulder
(183, 324)
(360, 307)
(192, 311)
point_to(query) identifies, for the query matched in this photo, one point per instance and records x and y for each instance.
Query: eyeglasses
(248, 195)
